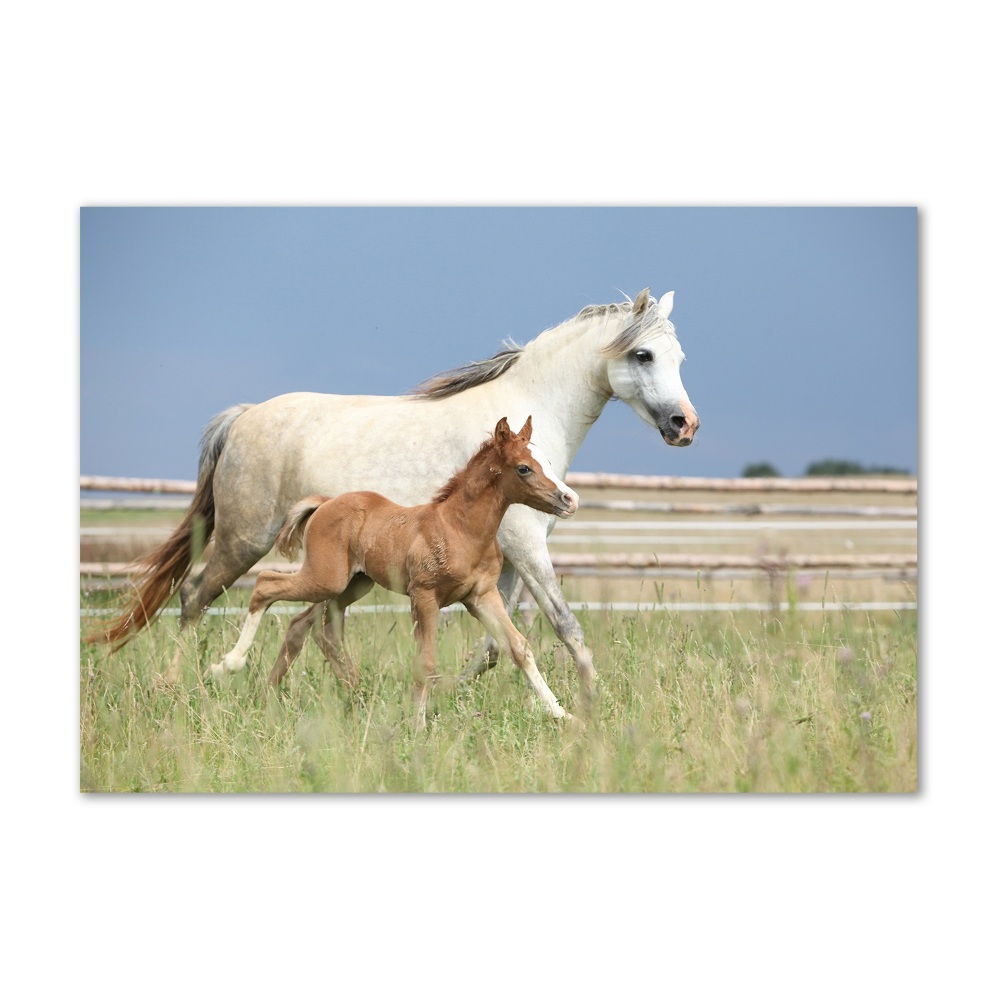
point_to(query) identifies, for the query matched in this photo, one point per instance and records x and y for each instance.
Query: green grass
(688, 703)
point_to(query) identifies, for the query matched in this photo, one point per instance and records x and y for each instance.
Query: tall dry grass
(742, 702)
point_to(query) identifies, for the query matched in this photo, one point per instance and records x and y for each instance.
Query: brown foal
(439, 553)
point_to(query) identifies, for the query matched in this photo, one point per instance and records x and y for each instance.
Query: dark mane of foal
(449, 487)
(456, 380)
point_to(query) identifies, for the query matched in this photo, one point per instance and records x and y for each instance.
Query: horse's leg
(331, 638)
(230, 558)
(424, 610)
(489, 609)
(510, 586)
(535, 568)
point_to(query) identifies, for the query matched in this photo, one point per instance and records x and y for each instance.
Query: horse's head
(644, 362)
(527, 476)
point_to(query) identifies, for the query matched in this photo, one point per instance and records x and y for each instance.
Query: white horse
(258, 460)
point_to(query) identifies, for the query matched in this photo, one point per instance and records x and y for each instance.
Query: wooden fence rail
(578, 562)
(600, 480)
(650, 563)
(763, 484)
(122, 484)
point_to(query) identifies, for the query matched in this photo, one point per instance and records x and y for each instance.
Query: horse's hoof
(573, 723)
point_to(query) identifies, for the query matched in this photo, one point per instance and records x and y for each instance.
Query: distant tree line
(828, 467)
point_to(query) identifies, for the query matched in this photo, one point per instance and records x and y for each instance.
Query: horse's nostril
(678, 422)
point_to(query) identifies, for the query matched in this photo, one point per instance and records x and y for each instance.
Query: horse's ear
(502, 430)
(641, 303)
(666, 304)
(525, 432)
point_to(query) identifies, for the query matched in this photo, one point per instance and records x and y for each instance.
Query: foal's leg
(228, 560)
(295, 637)
(270, 587)
(489, 610)
(424, 610)
(330, 639)
(510, 586)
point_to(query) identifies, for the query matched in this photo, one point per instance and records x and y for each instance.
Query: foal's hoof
(228, 665)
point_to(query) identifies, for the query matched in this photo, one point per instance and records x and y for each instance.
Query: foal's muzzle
(678, 427)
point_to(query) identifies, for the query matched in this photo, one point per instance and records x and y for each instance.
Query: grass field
(707, 703)
(720, 701)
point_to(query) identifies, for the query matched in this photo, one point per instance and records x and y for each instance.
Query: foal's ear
(641, 303)
(525, 432)
(502, 430)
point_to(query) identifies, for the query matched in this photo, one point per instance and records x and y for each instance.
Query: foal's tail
(289, 539)
(161, 572)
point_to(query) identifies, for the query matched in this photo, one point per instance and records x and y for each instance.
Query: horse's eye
(523, 470)
(643, 356)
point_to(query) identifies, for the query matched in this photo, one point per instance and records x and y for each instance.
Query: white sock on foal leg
(236, 658)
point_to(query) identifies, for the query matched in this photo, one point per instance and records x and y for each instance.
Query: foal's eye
(643, 356)
(523, 470)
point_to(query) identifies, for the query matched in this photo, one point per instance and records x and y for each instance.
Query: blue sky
(799, 324)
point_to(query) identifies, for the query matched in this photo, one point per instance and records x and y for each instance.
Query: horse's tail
(289, 539)
(160, 573)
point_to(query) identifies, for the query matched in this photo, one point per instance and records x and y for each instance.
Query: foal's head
(527, 476)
